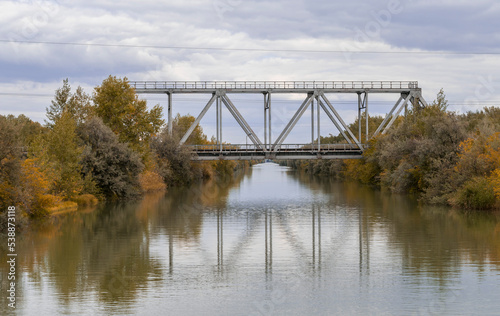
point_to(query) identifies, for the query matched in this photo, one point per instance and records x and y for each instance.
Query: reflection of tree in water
(106, 250)
(180, 213)
(432, 240)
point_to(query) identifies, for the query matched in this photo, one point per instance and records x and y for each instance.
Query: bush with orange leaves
(478, 169)
(151, 181)
(34, 188)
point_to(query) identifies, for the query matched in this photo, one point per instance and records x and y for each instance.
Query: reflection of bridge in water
(310, 252)
(316, 94)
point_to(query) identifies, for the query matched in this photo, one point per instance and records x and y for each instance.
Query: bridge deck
(273, 86)
(284, 152)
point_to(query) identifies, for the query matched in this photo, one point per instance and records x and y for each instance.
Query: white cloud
(273, 25)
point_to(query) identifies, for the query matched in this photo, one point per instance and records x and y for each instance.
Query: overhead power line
(184, 100)
(264, 50)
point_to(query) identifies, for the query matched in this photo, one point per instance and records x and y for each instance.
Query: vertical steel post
(312, 124)
(220, 123)
(366, 114)
(170, 130)
(217, 105)
(319, 124)
(269, 117)
(359, 115)
(265, 119)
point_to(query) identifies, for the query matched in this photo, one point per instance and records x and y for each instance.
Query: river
(270, 241)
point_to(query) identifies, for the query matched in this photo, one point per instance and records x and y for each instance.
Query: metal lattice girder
(408, 97)
(388, 116)
(293, 121)
(315, 90)
(340, 129)
(422, 100)
(344, 125)
(169, 110)
(244, 125)
(198, 119)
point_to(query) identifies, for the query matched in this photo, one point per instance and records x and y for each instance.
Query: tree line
(440, 156)
(103, 146)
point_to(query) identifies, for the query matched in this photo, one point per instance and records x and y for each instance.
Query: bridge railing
(258, 85)
(249, 148)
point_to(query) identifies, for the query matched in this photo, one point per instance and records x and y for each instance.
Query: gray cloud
(457, 26)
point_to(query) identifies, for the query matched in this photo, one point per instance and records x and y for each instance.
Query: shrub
(174, 161)
(86, 200)
(112, 165)
(151, 182)
(34, 188)
(477, 193)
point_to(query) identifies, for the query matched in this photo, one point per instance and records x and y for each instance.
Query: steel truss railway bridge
(407, 93)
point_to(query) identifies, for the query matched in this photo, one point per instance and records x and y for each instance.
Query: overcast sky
(442, 44)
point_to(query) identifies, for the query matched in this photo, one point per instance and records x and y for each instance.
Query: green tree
(63, 156)
(78, 104)
(113, 166)
(119, 107)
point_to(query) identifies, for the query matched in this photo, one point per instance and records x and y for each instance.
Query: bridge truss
(315, 94)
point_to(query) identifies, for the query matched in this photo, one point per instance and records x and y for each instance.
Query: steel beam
(267, 120)
(198, 119)
(319, 122)
(367, 117)
(340, 129)
(312, 122)
(270, 124)
(421, 99)
(244, 125)
(388, 116)
(169, 124)
(340, 120)
(398, 112)
(292, 122)
(360, 106)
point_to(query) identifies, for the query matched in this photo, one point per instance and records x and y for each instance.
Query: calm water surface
(269, 242)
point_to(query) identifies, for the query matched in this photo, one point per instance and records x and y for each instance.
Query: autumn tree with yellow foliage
(119, 107)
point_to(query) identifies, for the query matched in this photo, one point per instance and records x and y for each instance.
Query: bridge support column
(363, 104)
(267, 120)
(319, 124)
(218, 115)
(312, 123)
(367, 116)
(169, 124)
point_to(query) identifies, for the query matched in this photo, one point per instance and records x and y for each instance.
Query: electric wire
(264, 50)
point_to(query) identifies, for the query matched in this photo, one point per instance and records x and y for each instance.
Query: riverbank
(442, 157)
